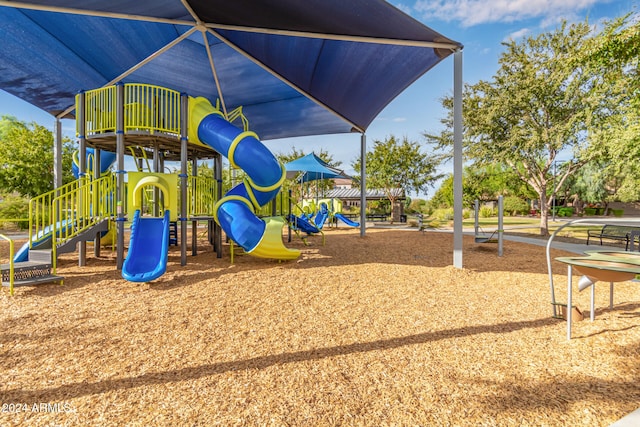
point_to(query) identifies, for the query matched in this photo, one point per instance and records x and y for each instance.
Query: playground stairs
(90, 233)
(37, 270)
(173, 233)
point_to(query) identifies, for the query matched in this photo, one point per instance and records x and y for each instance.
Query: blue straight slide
(302, 224)
(346, 220)
(321, 216)
(148, 248)
(42, 240)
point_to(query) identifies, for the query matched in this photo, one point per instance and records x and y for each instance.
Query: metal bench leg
(611, 295)
(592, 314)
(569, 298)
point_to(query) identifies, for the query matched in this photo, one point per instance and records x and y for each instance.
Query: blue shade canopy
(296, 67)
(311, 168)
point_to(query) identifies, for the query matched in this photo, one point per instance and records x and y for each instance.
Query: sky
(480, 25)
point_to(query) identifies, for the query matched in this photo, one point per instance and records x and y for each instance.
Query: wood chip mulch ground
(378, 330)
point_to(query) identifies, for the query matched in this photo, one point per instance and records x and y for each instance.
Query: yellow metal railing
(281, 206)
(237, 114)
(76, 211)
(142, 162)
(146, 108)
(71, 209)
(153, 108)
(41, 209)
(201, 196)
(11, 264)
(100, 110)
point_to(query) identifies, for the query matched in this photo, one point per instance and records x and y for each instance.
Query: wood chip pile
(370, 331)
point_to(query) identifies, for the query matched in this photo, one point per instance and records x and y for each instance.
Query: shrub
(566, 211)
(433, 224)
(617, 212)
(515, 205)
(15, 207)
(443, 214)
(487, 212)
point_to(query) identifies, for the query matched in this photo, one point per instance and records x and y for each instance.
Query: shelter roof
(354, 193)
(296, 68)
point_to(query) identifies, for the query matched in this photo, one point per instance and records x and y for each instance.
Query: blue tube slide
(235, 212)
(107, 158)
(346, 220)
(148, 248)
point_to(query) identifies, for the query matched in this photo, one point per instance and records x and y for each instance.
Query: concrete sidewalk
(578, 248)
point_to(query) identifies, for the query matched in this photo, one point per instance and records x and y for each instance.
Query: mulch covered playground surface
(371, 331)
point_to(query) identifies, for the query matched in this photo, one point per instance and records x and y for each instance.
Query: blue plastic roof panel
(297, 68)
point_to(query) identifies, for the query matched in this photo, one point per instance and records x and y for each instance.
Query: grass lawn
(531, 225)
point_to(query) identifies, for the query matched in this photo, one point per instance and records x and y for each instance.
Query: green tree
(443, 197)
(395, 166)
(487, 182)
(26, 158)
(540, 103)
(417, 206)
(615, 56)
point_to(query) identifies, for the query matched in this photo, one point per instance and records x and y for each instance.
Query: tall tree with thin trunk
(398, 166)
(541, 104)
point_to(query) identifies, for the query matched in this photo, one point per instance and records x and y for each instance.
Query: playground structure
(309, 217)
(332, 211)
(151, 122)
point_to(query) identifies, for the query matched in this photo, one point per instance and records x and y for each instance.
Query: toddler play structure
(310, 217)
(150, 122)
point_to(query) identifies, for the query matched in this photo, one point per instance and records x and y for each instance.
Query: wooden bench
(613, 232)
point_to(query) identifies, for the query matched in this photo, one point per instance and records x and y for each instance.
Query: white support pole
(363, 184)
(457, 159)
(476, 220)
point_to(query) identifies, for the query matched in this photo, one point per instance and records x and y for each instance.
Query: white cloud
(474, 12)
(399, 119)
(406, 9)
(518, 34)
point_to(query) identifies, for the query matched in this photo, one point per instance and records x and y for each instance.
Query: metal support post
(457, 159)
(120, 190)
(184, 115)
(363, 184)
